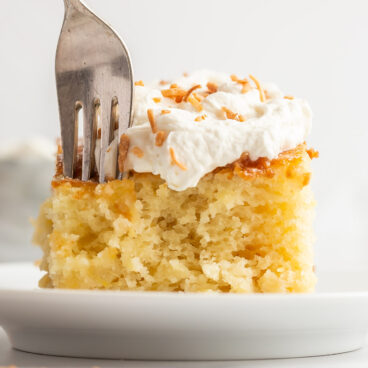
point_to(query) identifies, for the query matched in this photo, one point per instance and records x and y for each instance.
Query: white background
(310, 48)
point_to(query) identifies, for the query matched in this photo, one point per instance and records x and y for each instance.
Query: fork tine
(89, 138)
(106, 134)
(69, 137)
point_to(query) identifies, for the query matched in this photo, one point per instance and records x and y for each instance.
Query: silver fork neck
(77, 4)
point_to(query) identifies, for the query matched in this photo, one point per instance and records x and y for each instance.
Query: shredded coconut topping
(151, 119)
(212, 87)
(138, 152)
(190, 91)
(174, 160)
(260, 89)
(160, 138)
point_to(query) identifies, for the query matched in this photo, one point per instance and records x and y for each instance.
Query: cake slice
(217, 197)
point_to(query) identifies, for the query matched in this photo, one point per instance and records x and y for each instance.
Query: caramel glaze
(243, 167)
(246, 168)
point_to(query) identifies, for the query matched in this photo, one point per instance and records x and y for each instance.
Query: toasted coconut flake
(289, 97)
(232, 115)
(176, 93)
(229, 114)
(151, 118)
(312, 153)
(258, 85)
(195, 103)
(156, 99)
(190, 90)
(139, 83)
(212, 87)
(123, 151)
(246, 88)
(234, 78)
(160, 138)
(198, 96)
(244, 82)
(137, 151)
(174, 160)
(163, 112)
(200, 117)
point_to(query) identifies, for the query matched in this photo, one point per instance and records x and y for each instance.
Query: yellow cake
(245, 227)
(238, 230)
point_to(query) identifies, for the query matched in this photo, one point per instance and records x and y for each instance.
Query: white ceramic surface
(134, 325)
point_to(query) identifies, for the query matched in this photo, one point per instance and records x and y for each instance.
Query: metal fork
(93, 72)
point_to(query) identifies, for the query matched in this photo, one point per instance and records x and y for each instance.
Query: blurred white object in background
(26, 169)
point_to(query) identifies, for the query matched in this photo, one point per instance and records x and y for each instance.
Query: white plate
(138, 325)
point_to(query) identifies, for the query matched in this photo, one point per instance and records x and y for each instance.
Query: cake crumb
(156, 99)
(289, 97)
(306, 180)
(160, 138)
(163, 112)
(174, 160)
(123, 151)
(139, 83)
(151, 118)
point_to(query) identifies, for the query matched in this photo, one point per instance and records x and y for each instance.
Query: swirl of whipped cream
(229, 123)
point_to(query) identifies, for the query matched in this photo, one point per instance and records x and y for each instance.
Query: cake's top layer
(184, 129)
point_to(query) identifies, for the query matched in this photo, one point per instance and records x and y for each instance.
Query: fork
(93, 73)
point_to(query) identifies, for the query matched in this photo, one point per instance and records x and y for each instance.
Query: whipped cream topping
(204, 140)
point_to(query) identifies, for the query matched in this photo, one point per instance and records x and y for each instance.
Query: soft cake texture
(244, 228)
